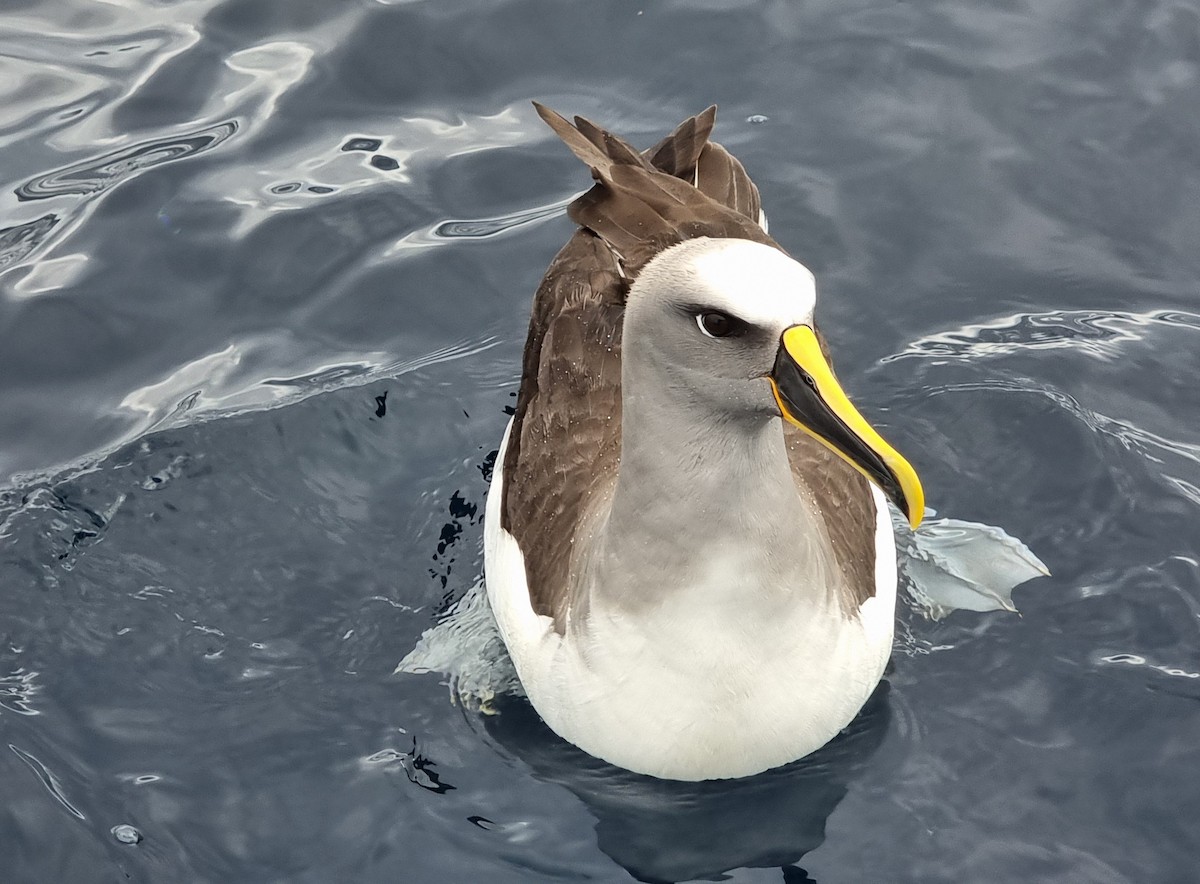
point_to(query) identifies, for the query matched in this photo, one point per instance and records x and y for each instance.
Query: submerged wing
(564, 448)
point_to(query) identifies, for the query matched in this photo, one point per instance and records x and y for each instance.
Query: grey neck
(698, 496)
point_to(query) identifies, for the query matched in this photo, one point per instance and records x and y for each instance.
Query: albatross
(687, 547)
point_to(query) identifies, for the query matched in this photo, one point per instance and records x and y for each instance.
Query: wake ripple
(1095, 332)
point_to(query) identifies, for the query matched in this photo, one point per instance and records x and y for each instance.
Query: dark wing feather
(722, 178)
(564, 447)
(590, 151)
(640, 208)
(844, 498)
(678, 153)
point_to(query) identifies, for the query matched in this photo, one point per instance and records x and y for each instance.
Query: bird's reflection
(666, 831)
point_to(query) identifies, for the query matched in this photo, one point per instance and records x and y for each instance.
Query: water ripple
(17, 690)
(483, 227)
(101, 173)
(49, 780)
(1094, 332)
(1151, 446)
(49, 526)
(19, 241)
(227, 382)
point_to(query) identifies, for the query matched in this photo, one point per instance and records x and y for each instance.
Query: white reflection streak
(1045, 331)
(217, 384)
(1139, 660)
(96, 129)
(270, 70)
(483, 228)
(50, 275)
(273, 69)
(185, 383)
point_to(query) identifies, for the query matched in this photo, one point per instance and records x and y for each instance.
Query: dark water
(265, 277)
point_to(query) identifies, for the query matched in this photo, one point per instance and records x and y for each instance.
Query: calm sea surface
(265, 268)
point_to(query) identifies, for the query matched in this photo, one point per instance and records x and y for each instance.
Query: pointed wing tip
(549, 116)
(571, 135)
(708, 116)
(706, 120)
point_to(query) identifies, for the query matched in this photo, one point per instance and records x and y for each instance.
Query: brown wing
(565, 441)
(639, 209)
(564, 447)
(844, 498)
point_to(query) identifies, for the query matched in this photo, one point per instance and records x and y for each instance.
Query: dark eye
(717, 325)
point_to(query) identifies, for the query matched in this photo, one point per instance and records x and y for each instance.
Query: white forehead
(755, 282)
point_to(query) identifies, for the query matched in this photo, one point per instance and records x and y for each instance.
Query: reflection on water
(665, 831)
(491, 226)
(1102, 334)
(93, 176)
(47, 779)
(265, 272)
(101, 173)
(17, 691)
(16, 243)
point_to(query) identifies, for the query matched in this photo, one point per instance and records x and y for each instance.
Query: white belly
(686, 692)
(728, 707)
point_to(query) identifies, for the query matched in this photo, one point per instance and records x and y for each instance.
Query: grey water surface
(265, 268)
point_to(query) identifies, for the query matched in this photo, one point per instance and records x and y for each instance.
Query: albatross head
(724, 327)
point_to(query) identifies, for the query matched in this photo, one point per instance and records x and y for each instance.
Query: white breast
(685, 692)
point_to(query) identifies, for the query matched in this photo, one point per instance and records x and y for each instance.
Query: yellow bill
(810, 397)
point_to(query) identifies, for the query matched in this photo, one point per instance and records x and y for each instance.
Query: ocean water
(265, 270)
